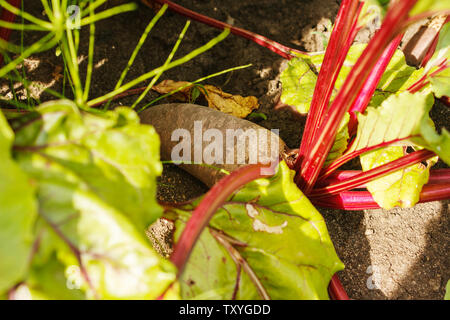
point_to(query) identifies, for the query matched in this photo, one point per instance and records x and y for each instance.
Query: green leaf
(96, 184)
(112, 258)
(93, 148)
(402, 117)
(447, 291)
(383, 4)
(443, 45)
(430, 5)
(399, 117)
(440, 83)
(49, 282)
(401, 188)
(397, 78)
(341, 141)
(17, 214)
(257, 115)
(298, 81)
(268, 240)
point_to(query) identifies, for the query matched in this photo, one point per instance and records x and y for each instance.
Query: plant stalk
(212, 201)
(341, 39)
(363, 200)
(321, 144)
(375, 173)
(278, 48)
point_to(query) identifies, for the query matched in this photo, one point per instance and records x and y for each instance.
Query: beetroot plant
(78, 184)
(362, 101)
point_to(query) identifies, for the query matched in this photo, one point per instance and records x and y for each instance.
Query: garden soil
(388, 254)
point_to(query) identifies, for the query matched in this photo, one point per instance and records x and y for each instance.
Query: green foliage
(61, 30)
(299, 79)
(440, 83)
(381, 3)
(266, 241)
(430, 5)
(341, 141)
(447, 291)
(401, 188)
(18, 212)
(399, 117)
(95, 178)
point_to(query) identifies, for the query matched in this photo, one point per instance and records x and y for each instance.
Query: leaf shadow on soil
(347, 231)
(429, 266)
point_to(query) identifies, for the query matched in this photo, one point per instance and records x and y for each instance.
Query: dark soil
(395, 254)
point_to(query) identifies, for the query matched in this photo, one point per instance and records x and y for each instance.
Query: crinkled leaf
(96, 180)
(110, 257)
(49, 282)
(268, 240)
(299, 79)
(399, 117)
(341, 141)
(235, 105)
(440, 83)
(402, 117)
(18, 212)
(93, 149)
(401, 188)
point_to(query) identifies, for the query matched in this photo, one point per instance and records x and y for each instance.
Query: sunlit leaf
(95, 177)
(440, 82)
(404, 118)
(447, 291)
(401, 188)
(341, 141)
(18, 212)
(266, 241)
(430, 5)
(299, 79)
(235, 105)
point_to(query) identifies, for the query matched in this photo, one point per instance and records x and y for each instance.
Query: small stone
(369, 232)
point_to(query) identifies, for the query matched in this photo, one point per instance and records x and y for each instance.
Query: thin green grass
(66, 38)
(193, 83)
(138, 48)
(166, 63)
(154, 72)
(87, 84)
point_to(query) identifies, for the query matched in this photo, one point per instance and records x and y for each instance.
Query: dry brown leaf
(235, 105)
(167, 86)
(153, 5)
